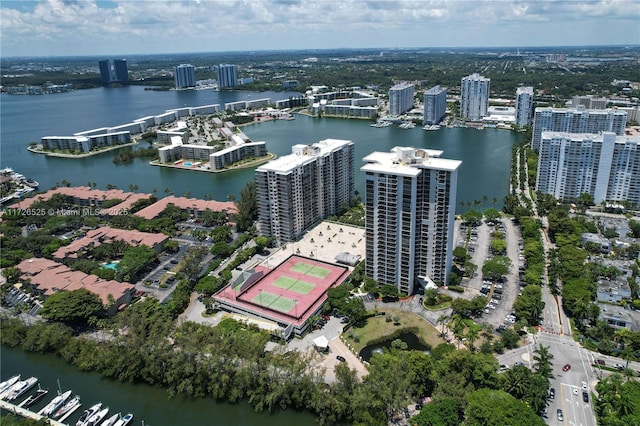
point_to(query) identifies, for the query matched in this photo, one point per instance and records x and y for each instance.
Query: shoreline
(84, 155)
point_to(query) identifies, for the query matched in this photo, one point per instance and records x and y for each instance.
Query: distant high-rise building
(589, 102)
(113, 71)
(604, 165)
(185, 76)
(400, 98)
(227, 76)
(121, 71)
(474, 97)
(435, 105)
(524, 106)
(410, 201)
(576, 120)
(297, 191)
(105, 71)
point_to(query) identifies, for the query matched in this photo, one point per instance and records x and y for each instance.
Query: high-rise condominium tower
(227, 76)
(185, 76)
(605, 165)
(435, 105)
(400, 98)
(410, 200)
(576, 120)
(524, 106)
(114, 73)
(474, 97)
(297, 191)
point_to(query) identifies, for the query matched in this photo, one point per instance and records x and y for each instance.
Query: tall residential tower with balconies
(297, 191)
(474, 97)
(435, 105)
(410, 201)
(401, 98)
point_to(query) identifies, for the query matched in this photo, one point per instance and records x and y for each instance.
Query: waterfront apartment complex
(227, 76)
(576, 120)
(605, 165)
(401, 98)
(115, 71)
(474, 97)
(297, 191)
(524, 106)
(410, 201)
(185, 76)
(435, 105)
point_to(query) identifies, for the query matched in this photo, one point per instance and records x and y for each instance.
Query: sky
(114, 27)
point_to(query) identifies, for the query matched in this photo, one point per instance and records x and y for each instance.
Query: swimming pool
(112, 265)
(187, 164)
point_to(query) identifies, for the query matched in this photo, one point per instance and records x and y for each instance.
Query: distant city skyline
(130, 27)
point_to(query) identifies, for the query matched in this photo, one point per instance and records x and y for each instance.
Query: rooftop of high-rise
(407, 161)
(303, 154)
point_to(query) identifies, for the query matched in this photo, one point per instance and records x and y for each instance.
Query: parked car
(618, 366)
(560, 416)
(584, 386)
(340, 358)
(575, 390)
(585, 396)
(552, 393)
(566, 367)
(600, 362)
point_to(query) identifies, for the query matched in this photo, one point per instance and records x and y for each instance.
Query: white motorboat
(88, 413)
(97, 417)
(8, 384)
(73, 403)
(55, 403)
(125, 420)
(21, 388)
(111, 420)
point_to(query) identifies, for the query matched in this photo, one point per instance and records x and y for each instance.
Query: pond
(410, 339)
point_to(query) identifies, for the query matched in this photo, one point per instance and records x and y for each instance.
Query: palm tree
(542, 358)
(494, 200)
(484, 202)
(442, 320)
(473, 333)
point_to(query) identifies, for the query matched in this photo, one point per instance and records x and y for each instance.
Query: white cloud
(97, 27)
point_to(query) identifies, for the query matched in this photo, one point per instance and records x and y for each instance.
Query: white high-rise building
(474, 97)
(576, 120)
(227, 76)
(604, 165)
(524, 106)
(435, 105)
(401, 98)
(185, 76)
(299, 190)
(410, 201)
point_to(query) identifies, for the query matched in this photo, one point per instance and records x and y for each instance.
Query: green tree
(247, 206)
(74, 306)
(487, 407)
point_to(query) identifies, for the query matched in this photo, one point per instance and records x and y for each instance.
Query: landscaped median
(390, 323)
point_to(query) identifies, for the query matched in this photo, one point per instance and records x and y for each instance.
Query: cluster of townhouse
(47, 276)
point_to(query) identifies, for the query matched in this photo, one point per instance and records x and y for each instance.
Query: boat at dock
(111, 420)
(88, 413)
(125, 420)
(40, 393)
(431, 127)
(97, 417)
(55, 403)
(8, 384)
(20, 388)
(73, 403)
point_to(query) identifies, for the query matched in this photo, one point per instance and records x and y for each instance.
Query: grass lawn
(378, 326)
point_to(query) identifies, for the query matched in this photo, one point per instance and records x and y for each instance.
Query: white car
(584, 386)
(575, 390)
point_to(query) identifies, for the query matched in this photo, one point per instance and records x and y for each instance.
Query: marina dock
(12, 408)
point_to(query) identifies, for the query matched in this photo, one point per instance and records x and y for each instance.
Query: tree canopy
(71, 306)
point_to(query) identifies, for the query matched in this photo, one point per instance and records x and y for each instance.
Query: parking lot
(501, 295)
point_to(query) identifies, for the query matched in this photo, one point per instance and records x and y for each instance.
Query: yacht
(97, 417)
(88, 413)
(125, 420)
(8, 384)
(21, 388)
(55, 403)
(40, 393)
(73, 403)
(111, 420)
